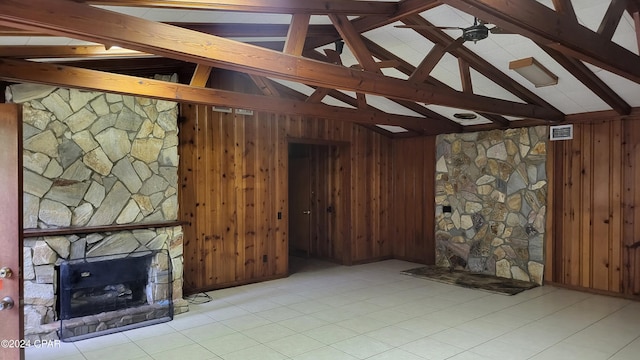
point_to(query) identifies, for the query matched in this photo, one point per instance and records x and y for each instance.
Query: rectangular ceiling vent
(561, 132)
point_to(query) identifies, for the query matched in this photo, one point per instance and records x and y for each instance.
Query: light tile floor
(326, 311)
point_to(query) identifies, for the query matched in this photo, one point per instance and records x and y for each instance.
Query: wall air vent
(223, 109)
(244, 112)
(561, 132)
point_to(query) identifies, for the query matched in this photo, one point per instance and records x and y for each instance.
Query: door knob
(6, 303)
(5, 273)
(307, 212)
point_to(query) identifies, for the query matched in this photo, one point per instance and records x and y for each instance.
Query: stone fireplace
(491, 191)
(100, 180)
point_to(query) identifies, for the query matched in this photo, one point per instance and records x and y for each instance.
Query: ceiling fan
(475, 32)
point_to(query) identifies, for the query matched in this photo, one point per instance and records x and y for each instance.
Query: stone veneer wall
(496, 185)
(94, 159)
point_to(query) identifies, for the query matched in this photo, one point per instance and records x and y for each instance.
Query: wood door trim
(11, 239)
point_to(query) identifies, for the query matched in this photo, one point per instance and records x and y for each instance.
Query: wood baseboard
(593, 291)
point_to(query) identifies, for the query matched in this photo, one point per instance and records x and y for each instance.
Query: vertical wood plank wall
(594, 233)
(233, 179)
(413, 227)
(631, 209)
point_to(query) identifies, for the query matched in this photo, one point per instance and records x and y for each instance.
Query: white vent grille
(222, 109)
(561, 132)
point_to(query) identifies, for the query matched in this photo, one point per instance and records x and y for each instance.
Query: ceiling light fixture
(533, 71)
(465, 116)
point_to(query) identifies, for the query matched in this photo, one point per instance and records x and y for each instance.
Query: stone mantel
(29, 233)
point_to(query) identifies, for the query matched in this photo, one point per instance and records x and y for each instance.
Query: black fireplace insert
(107, 294)
(91, 287)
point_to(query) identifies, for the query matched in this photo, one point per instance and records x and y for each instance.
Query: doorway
(316, 203)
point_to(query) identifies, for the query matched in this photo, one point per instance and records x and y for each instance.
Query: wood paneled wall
(593, 237)
(233, 182)
(631, 207)
(414, 162)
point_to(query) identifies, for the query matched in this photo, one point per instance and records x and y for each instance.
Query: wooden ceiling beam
(422, 71)
(475, 61)
(321, 32)
(355, 102)
(297, 34)
(254, 30)
(465, 76)
(467, 87)
(200, 76)
(93, 24)
(62, 52)
(437, 123)
(311, 7)
(500, 121)
(612, 18)
(445, 125)
(565, 8)
(9, 31)
(408, 69)
(72, 77)
(583, 74)
(144, 66)
(353, 39)
(366, 23)
(264, 85)
(354, 42)
(318, 95)
(547, 27)
(405, 8)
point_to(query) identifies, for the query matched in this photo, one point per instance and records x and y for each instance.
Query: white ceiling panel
(482, 85)
(47, 40)
(388, 106)
(393, 129)
(626, 89)
(547, 3)
(590, 12)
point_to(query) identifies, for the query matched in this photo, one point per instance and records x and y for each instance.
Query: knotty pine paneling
(593, 226)
(233, 182)
(631, 207)
(413, 225)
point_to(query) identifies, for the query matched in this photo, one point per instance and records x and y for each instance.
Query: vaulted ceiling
(404, 69)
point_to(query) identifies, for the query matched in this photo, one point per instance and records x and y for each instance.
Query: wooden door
(299, 205)
(11, 319)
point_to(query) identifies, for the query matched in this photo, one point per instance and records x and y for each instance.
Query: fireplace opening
(109, 294)
(93, 287)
